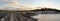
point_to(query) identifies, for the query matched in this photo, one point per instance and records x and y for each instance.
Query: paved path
(17, 17)
(12, 18)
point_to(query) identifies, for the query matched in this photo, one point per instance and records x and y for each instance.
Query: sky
(33, 3)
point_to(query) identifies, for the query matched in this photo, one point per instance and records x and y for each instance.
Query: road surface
(15, 17)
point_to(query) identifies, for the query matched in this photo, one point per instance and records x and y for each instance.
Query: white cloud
(47, 3)
(3, 0)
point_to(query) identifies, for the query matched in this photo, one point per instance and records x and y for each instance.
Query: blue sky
(37, 3)
(30, 2)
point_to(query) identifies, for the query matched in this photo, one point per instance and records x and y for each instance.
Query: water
(47, 17)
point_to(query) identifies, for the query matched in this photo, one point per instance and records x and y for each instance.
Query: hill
(46, 9)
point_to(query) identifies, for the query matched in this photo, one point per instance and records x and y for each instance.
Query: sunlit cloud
(14, 5)
(30, 4)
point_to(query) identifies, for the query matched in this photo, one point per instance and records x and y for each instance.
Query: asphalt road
(14, 17)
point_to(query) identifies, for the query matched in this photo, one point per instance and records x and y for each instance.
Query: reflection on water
(47, 17)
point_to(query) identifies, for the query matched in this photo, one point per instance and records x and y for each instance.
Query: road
(14, 17)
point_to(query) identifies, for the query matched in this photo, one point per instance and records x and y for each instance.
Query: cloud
(14, 5)
(49, 3)
(3, 0)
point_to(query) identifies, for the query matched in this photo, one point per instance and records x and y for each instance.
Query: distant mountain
(46, 9)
